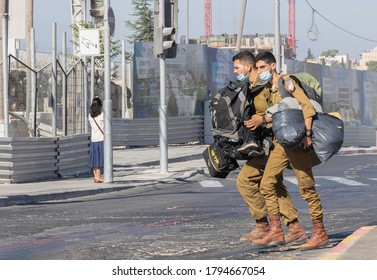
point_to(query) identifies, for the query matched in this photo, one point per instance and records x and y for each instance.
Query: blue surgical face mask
(265, 76)
(242, 78)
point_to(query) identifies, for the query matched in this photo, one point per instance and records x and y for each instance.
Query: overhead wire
(313, 31)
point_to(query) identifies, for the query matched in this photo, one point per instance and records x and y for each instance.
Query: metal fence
(20, 101)
(25, 159)
(145, 132)
(31, 100)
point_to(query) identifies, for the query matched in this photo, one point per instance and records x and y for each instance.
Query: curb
(347, 243)
(356, 151)
(173, 160)
(29, 199)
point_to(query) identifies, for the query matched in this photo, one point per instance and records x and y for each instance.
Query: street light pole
(5, 15)
(163, 108)
(187, 22)
(107, 104)
(277, 36)
(240, 26)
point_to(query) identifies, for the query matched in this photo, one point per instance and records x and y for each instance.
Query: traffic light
(165, 34)
(97, 9)
(171, 24)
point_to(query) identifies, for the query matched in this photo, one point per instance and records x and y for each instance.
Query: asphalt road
(200, 218)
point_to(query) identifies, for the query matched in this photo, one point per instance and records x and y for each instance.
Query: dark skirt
(96, 155)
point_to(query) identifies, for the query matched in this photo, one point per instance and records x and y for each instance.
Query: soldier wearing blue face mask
(248, 179)
(242, 65)
(280, 158)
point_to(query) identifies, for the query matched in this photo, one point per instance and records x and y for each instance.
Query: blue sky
(360, 20)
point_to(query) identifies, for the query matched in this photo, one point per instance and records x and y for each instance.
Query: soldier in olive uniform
(251, 173)
(280, 158)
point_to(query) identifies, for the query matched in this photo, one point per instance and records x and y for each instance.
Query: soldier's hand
(306, 142)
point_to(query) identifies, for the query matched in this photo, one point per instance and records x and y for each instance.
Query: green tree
(330, 53)
(143, 24)
(115, 45)
(199, 102)
(172, 108)
(372, 66)
(309, 55)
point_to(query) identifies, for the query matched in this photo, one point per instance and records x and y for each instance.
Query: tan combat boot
(296, 234)
(260, 230)
(275, 235)
(319, 237)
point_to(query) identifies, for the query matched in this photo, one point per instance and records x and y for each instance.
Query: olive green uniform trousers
(248, 182)
(301, 164)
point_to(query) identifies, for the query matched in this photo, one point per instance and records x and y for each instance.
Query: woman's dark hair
(96, 107)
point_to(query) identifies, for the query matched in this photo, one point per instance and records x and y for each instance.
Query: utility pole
(2, 11)
(187, 22)
(5, 101)
(277, 36)
(107, 104)
(29, 26)
(240, 26)
(164, 46)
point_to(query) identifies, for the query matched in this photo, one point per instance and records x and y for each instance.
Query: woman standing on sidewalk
(96, 153)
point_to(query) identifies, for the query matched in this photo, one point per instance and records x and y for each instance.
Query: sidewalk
(133, 167)
(140, 167)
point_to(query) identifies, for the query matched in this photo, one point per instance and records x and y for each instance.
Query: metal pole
(277, 35)
(129, 112)
(283, 65)
(54, 81)
(92, 71)
(85, 73)
(163, 107)
(29, 25)
(5, 69)
(124, 90)
(85, 89)
(240, 26)
(64, 85)
(33, 83)
(91, 78)
(187, 21)
(107, 104)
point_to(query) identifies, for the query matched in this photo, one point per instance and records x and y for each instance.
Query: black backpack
(218, 162)
(227, 108)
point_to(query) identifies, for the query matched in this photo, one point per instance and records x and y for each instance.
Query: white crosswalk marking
(292, 180)
(339, 180)
(343, 181)
(211, 184)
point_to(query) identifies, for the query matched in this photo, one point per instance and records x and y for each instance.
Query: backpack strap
(254, 91)
(237, 87)
(281, 86)
(94, 119)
